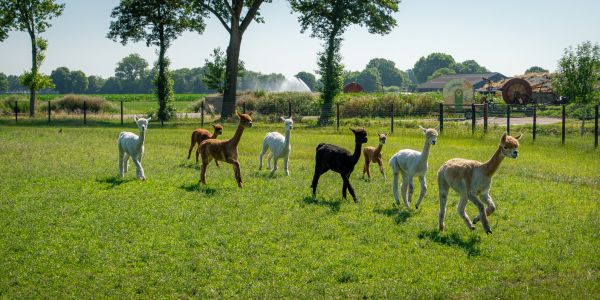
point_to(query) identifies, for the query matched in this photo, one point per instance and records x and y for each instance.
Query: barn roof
(439, 82)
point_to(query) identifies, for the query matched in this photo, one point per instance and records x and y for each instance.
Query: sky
(505, 36)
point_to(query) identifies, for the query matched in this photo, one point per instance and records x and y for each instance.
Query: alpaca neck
(214, 135)
(378, 150)
(286, 142)
(356, 154)
(142, 138)
(424, 154)
(491, 166)
(237, 136)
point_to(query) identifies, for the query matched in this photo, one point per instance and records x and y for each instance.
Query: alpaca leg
(262, 154)
(404, 190)
(350, 188)
(491, 207)
(460, 208)
(395, 188)
(443, 200)
(286, 161)
(369, 169)
(365, 167)
(139, 169)
(315, 181)
(482, 214)
(192, 148)
(125, 162)
(121, 156)
(411, 189)
(275, 159)
(423, 190)
(380, 163)
(238, 173)
(269, 160)
(197, 153)
(344, 186)
(205, 162)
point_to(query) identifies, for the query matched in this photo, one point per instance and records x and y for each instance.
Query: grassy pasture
(71, 228)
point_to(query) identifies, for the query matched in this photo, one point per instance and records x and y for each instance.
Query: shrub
(7, 105)
(379, 105)
(74, 103)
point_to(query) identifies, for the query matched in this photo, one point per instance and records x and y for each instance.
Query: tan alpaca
(373, 155)
(225, 150)
(201, 134)
(473, 180)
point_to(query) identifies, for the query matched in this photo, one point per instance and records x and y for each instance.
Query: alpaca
(132, 145)
(199, 135)
(410, 163)
(373, 155)
(473, 180)
(280, 147)
(340, 160)
(225, 150)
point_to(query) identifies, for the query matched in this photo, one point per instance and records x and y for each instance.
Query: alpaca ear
(237, 113)
(437, 127)
(352, 130)
(149, 119)
(519, 137)
(503, 139)
(422, 129)
(213, 125)
(250, 113)
(135, 118)
(282, 119)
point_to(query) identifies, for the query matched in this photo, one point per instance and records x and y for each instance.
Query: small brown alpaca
(201, 134)
(373, 155)
(225, 150)
(473, 180)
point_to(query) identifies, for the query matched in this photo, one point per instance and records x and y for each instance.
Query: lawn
(70, 228)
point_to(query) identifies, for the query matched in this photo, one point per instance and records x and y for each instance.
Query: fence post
(202, 114)
(508, 119)
(441, 118)
(337, 115)
(49, 112)
(121, 112)
(534, 121)
(16, 111)
(392, 115)
(485, 117)
(244, 107)
(289, 109)
(473, 118)
(563, 124)
(84, 113)
(596, 128)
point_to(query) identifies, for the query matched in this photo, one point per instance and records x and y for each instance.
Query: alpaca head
(431, 134)
(382, 138)
(510, 145)
(218, 129)
(245, 119)
(360, 135)
(142, 123)
(289, 123)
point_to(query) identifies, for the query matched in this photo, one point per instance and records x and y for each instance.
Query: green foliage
(36, 81)
(425, 66)
(578, 73)
(95, 84)
(440, 72)
(469, 67)
(328, 20)
(7, 104)
(74, 103)
(390, 75)
(61, 79)
(370, 80)
(3, 83)
(214, 76)
(363, 105)
(536, 69)
(164, 91)
(133, 73)
(309, 79)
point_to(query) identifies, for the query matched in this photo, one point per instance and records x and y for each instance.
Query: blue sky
(505, 36)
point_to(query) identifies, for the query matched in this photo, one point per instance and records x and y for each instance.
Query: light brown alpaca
(373, 155)
(473, 180)
(201, 134)
(225, 150)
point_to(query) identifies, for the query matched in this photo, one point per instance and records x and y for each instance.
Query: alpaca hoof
(489, 231)
(472, 228)
(442, 227)
(475, 221)
(416, 207)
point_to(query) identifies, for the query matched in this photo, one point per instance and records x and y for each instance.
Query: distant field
(70, 228)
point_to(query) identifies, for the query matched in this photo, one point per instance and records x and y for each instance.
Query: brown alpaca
(225, 150)
(199, 135)
(373, 155)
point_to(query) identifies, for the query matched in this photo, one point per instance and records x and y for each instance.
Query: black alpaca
(340, 160)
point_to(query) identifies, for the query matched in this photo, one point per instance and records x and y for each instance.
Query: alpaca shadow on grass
(399, 215)
(469, 245)
(113, 181)
(197, 187)
(334, 206)
(190, 165)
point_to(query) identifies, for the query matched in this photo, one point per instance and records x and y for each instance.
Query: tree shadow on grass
(470, 245)
(113, 181)
(334, 206)
(399, 215)
(197, 187)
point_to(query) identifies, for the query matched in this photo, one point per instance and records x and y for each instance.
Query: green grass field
(70, 228)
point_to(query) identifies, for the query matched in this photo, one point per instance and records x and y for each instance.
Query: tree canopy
(309, 79)
(578, 73)
(536, 69)
(390, 75)
(425, 66)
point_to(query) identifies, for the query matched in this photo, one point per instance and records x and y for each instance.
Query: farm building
(541, 87)
(477, 80)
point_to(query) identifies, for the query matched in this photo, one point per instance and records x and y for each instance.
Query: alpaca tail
(394, 165)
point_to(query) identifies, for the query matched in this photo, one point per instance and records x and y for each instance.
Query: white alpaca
(132, 145)
(410, 163)
(279, 145)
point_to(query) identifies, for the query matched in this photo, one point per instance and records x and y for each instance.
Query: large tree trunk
(330, 80)
(34, 71)
(231, 72)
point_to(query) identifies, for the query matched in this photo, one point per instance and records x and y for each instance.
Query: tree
(440, 72)
(425, 66)
(62, 80)
(536, 69)
(216, 71)
(3, 83)
(578, 73)
(390, 75)
(328, 20)
(79, 82)
(132, 70)
(230, 16)
(308, 78)
(34, 17)
(95, 84)
(350, 76)
(469, 67)
(370, 80)
(158, 23)
(112, 86)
